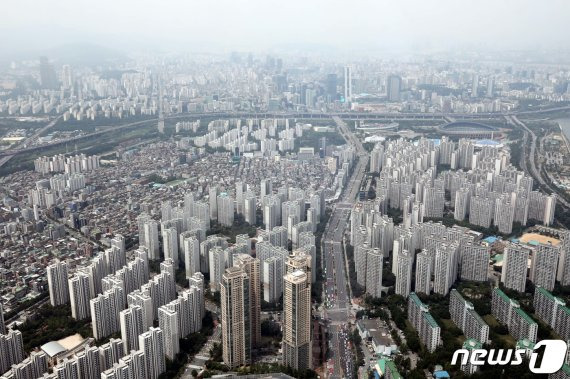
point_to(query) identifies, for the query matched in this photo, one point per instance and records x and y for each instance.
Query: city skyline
(326, 28)
(284, 190)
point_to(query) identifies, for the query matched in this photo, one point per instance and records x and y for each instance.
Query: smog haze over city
(284, 189)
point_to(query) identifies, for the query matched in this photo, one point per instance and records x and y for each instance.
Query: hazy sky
(255, 25)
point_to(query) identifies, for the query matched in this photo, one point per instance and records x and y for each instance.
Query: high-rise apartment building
(58, 283)
(236, 320)
(515, 264)
(250, 266)
(297, 321)
(79, 296)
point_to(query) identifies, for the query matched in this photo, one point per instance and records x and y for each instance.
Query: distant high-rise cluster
(70, 165)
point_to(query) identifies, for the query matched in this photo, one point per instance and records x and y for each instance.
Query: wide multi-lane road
(337, 299)
(532, 157)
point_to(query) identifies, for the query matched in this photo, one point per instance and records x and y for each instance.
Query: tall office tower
(168, 323)
(544, 262)
(236, 322)
(2, 322)
(250, 266)
(266, 188)
(490, 86)
(151, 343)
(272, 279)
(474, 262)
(445, 267)
(105, 309)
(132, 325)
(394, 87)
(464, 316)
(151, 239)
(404, 273)
(11, 349)
(191, 246)
(461, 204)
(297, 321)
(374, 259)
(331, 82)
(481, 211)
(271, 212)
(423, 272)
(515, 262)
(213, 201)
(58, 283)
(504, 214)
(48, 77)
(225, 210)
(79, 296)
(250, 208)
(347, 84)
(475, 86)
(170, 244)
(434, 200)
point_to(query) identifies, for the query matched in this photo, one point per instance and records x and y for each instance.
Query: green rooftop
(471, 344)
(525, 316)
(525, 343)
(393, 370)
(431, 321)
(503, 295)
(416, 300)
(478, 318)
(549, 295)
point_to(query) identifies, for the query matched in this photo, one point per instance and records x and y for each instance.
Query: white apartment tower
(58, 283)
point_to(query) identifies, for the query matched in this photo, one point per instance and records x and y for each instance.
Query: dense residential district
(281, 217)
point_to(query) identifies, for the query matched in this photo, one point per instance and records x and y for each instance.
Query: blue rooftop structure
(441, 374)
(490, 239)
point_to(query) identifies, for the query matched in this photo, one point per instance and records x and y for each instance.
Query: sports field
(529, 237)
